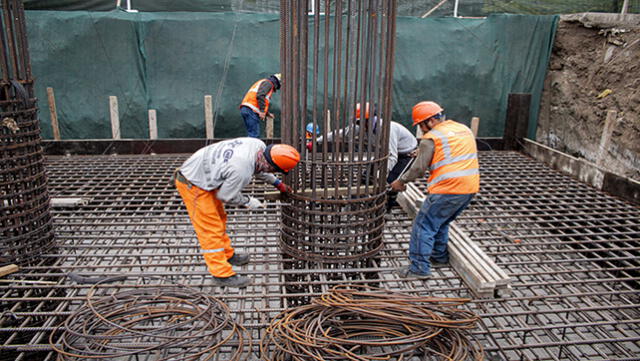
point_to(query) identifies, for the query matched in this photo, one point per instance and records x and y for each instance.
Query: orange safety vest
(454, 167)
(251, 100)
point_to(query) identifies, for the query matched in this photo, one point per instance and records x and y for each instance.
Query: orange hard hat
(425, 110)
(282, 157)
(366, 111)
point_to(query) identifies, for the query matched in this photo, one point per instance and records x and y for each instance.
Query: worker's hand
(270, 115)
(398, 185)
(253, 203)
(413, 153)
(309, 146)
(262, 115)
(282, 187)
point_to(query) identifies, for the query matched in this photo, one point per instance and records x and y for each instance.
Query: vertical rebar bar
(336, 212)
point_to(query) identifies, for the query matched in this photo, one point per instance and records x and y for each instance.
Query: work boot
(406, 272)
(438, 264)
(239, 259)
(232, 281)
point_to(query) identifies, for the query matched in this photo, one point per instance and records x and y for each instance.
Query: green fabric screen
(170, 61)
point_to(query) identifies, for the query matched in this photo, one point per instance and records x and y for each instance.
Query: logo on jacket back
(227, 155)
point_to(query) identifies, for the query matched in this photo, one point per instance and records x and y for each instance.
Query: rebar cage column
(334, 56)
(25, 221)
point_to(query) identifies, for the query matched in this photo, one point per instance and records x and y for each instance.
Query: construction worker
(402, 145)
(255, 104)
(309, 131)
(216, 174)
(448, 151)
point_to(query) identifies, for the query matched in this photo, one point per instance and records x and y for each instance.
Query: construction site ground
(571, 251)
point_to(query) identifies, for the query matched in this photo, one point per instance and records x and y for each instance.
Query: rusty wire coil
(363, 323)
(166, 322)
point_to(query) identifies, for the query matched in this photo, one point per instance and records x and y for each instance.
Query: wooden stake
(54, 113)
(153, 124)
(115, 120)
(606, 136)
(269, 128)
(475, 122)
(208, 116)
(7, 270)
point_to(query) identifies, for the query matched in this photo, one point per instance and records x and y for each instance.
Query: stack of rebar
(335, 56)
(25, 222)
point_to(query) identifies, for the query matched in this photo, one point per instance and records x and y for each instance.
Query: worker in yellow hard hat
(216, 174)
(448, 151)
(255, 104)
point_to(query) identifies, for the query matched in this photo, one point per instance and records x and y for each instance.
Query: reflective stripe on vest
(454, 168)
(251, 98)
(212, 250)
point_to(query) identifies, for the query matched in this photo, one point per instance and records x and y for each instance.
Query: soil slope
(595, 67)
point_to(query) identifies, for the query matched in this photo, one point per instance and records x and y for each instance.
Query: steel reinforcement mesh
(572, 252)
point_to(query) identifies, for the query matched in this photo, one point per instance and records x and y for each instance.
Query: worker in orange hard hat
(448, 151)
(402, 144)
(255, 104)
(216, 174)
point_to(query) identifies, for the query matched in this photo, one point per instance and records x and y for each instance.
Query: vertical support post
(115, 119)
(475, 123)
(54, 113)
(153, 124)
(269, 128)
(606, 136)
(208, 116)
(517, 122)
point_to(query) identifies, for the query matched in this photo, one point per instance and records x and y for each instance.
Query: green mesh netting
(170, 61)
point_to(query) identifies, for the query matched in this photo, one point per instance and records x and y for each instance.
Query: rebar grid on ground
(575, 266)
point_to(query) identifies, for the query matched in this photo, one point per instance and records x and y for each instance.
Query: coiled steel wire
(164, 322)
(363, 323)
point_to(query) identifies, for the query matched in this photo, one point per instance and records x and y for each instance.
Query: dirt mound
(595, 67)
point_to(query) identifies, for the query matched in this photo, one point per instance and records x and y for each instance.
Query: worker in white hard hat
(216, 174)
(402, 144)
(255, 104)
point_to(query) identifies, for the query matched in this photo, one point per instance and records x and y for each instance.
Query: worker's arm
(419, 167)
(263, 90)
(230, 192)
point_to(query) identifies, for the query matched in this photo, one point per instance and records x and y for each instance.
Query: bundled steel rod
(168, 322)
(25, 222)
(334, 57)
(364, 323)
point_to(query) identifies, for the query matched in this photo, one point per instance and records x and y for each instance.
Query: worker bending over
(448, 151)
(216, 174)
(255, 104)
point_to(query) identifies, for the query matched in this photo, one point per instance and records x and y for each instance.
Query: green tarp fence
(170, 61)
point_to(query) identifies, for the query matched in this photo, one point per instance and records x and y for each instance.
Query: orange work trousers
(209, 221)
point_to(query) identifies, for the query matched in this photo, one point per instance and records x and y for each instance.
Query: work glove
(310, 146)
(281, 186)
(253, 203)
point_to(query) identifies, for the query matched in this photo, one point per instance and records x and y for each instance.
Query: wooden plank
(69, 202)
(479, 259)
(115, 118)
(53, 113)
(153, 124)
(475, 123)
(9, 269)
(208, 116)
